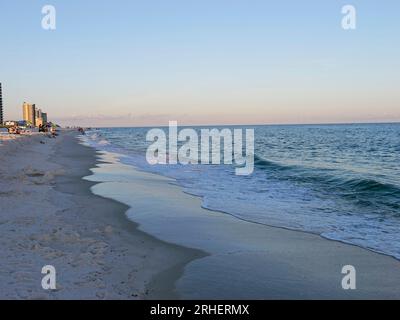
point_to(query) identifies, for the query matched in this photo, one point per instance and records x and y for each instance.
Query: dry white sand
(48, 216)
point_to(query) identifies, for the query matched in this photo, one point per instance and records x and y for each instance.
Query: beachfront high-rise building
(38, 113)
(29, 113)
(38, 118)
(44, 117)
(41, 118)
(1, 107)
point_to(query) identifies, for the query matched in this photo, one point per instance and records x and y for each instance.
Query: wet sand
(246, 260)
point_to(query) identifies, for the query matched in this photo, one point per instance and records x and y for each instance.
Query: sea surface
(339, 181)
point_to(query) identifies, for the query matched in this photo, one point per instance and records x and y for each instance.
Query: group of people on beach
(45, 128)
(14, 130)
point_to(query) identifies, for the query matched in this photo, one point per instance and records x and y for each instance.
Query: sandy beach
(50, 216)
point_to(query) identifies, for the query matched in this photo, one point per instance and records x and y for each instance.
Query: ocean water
(339, 181)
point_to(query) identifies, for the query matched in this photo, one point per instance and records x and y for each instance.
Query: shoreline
(56, 220)
(296, 230)
(281, 263)
(325, 237)
(175, 257)
(154, 289)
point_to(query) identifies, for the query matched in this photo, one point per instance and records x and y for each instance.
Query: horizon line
(255, 125)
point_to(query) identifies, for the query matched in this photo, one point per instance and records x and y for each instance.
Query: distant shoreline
(250, 125)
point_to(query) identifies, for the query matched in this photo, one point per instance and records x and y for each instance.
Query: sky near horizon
(133, 63)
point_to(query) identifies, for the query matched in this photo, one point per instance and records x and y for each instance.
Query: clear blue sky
(147, 62)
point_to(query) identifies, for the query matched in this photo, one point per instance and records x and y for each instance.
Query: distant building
(44, 118)
(29, 113)
(1, 106)
(11, 123)
(39, 122)
(38, 118)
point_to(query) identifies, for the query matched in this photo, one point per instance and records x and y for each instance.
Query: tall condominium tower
(1, 106)
(38, 118)
(44, 117)
(29, 113)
